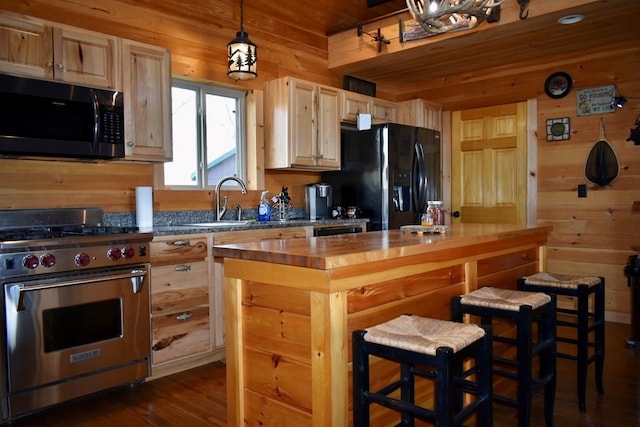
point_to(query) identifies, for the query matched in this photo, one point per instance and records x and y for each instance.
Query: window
(208, 135)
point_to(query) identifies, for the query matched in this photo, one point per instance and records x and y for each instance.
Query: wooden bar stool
(525, 309)
(583, 319)
(426, 348)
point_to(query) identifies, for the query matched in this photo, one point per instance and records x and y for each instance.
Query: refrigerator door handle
(419, 180)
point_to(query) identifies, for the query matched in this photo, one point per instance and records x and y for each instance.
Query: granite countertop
(212, 227)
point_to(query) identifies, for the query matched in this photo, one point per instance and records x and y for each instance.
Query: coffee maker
(318, 199)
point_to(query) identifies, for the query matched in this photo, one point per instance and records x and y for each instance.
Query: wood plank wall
(592, 235)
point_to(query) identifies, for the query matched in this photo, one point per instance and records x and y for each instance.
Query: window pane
(183, 170)
(221, 126)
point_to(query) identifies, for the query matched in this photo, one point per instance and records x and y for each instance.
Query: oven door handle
(17, 291)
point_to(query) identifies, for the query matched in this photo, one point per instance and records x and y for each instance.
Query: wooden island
(291, 306)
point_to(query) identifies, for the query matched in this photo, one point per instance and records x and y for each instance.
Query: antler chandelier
(441, 16)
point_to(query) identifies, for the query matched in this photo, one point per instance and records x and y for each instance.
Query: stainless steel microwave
(54, 119)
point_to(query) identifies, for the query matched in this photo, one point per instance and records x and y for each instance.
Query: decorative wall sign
(558, 129)
(597, 100)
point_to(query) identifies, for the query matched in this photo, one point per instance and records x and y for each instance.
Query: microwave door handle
(17, 291)
(96, 119)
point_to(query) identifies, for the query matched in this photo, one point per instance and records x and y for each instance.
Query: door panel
(489, 164)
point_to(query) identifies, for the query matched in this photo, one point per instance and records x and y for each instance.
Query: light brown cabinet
(353, 103)
(419, 112)
(182, 318)
(147, 101)
(302, 126)
(37, 48)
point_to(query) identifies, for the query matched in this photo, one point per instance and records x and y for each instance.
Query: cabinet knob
(183, 267)
(181, 243)
(49, 65)
(130, 144)
(456, 214)
(60, 67)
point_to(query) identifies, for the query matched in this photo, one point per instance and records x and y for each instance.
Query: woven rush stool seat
(587, 322)
(426, 348)
(524, 309)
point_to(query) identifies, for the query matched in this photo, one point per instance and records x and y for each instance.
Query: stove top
(63, 240)
(38, 233)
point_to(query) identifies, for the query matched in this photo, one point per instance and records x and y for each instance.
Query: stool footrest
(401, 406)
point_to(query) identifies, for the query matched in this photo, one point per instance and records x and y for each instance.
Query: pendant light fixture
(242, 54)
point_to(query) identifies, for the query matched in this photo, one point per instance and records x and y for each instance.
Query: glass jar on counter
(436, 211)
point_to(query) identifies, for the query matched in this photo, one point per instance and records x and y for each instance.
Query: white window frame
(202, 90)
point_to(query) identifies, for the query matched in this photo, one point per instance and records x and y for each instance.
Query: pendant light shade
(242, 55)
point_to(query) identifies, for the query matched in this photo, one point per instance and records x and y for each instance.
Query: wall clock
(558, 85)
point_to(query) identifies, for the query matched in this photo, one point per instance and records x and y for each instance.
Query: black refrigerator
(389, 172)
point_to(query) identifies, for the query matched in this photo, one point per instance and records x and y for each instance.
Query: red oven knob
(114, 254)
(128, 252)
(47, 260)
(30, 262)
(82, 259)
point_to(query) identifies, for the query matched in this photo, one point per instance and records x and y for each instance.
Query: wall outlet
(582, 190)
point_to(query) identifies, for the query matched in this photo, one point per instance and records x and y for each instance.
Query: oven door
(69, 326)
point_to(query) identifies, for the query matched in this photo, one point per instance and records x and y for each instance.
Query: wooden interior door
(489, 164)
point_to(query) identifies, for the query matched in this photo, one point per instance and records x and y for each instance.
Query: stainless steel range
(76, 307)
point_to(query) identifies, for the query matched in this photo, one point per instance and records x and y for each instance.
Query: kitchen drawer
(179, 286)
(258, 235)
(179, 249)
(180, 335)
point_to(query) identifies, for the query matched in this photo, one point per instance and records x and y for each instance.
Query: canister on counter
(434, 208)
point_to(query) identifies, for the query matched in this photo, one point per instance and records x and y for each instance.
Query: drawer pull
(183, 267)
(184, 316)
(181, 243)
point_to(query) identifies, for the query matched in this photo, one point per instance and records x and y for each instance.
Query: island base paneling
(289, 323)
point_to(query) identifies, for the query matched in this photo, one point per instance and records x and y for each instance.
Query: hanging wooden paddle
(602, 164)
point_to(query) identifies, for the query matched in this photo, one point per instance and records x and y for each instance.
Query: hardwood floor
(197, 398)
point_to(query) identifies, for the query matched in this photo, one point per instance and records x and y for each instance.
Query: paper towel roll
(144, 208)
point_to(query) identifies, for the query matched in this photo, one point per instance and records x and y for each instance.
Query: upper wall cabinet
(302, 125)
(418, 112)
(353, 103)
(146, 81)
(32, 47)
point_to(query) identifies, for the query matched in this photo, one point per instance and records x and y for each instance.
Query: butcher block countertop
(332, 252)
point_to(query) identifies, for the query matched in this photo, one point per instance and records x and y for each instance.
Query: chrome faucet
(220, 212)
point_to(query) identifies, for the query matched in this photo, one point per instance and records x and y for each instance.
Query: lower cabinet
(182, 319)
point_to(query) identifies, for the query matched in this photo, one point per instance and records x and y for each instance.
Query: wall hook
(378, 37)
(524, 5)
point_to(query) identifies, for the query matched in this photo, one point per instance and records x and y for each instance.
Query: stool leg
(599, 334)
(485, 380)
(360, 381)
(524, 356)
(407, 393)
(444, 387)
(547, 329)
(583, 344)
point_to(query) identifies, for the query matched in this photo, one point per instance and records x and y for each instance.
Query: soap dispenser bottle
(264, 208)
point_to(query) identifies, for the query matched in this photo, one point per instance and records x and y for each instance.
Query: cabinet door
(147, 101)
(353, 104)
(26, 47)
(382, 111)
(303, 123)
(328, 128)
(85, 58)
